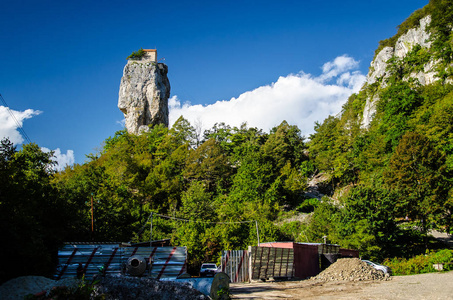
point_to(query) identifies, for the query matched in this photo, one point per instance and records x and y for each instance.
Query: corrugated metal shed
(311, 258)
(166, 262)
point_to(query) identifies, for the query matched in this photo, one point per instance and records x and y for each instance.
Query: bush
(308, 205)
(416, 265)
(294, 231)
(421, 263)
(137, 54)
(444, 256)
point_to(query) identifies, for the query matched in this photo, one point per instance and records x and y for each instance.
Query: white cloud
(300, 99)
(9, 127)
(122, 122)
(339, 65)
(62, 159)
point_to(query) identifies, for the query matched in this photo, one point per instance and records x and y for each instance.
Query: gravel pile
(350, 269)
(122, 287)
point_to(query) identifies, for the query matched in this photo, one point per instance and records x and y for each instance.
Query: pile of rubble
(121, 287)
(20, 287)
(350, 269)
(108, 287)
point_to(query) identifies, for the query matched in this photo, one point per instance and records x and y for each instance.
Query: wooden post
(250, 263)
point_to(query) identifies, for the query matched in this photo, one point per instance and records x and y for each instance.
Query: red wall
(306, 260)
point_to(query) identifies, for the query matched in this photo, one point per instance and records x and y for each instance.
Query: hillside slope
(393, 142)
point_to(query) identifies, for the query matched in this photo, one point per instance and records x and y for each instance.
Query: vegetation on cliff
(137, 54)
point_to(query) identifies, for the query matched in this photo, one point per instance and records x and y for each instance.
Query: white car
(384, 269)
(208, 269)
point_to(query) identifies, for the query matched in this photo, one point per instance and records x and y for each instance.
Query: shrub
(415, 265)
(308, 205)
(420, 263)
(137, 54)
(444, 256)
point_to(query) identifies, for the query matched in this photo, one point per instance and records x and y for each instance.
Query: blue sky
(61, 62)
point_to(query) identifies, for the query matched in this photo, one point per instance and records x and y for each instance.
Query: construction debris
(121, 287)
(20, 287)
(108, 287)
(350, 269)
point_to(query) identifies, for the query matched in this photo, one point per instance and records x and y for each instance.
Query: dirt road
(424, 286)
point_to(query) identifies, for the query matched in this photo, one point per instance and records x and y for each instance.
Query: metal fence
(235, 263)
(271, 262)
(165, 262)
(258, 263)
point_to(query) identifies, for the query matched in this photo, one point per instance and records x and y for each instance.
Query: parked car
(208, 269)
(384, 269)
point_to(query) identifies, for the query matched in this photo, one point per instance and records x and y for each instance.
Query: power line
(207, 222)
(19, 127)
(143, 228)
(187, 220)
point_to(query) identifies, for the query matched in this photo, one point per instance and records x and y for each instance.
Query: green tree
(196, 203)
(398, 102)
(33, 219)
(322, 144)
(288, 188)
(184, 133)
(369, 222)
(435, 119)
(208, 163)
(417, 172)
(285, 144)
(324, 222)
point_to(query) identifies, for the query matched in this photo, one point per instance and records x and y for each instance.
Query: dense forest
(385, 186)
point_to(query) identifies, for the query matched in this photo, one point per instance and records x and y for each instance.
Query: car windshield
(209, 266)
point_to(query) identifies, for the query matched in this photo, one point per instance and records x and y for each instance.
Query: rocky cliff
(413, 57)
(143, 95)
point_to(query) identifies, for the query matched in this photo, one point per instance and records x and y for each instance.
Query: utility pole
(257, 233)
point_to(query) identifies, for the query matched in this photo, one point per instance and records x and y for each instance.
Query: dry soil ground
(424, 286)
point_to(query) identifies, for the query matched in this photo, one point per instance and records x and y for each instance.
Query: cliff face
(415, 36)
(143, 95)
(380, 72)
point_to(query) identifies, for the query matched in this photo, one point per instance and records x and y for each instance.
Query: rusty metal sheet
(272, 262)
(167, 262)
